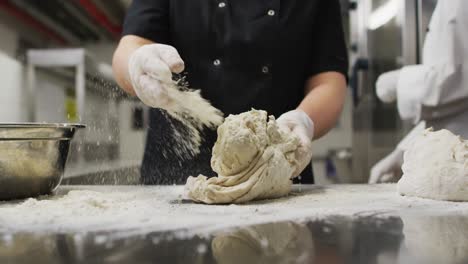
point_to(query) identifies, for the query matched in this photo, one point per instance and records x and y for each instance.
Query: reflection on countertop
(335, 239)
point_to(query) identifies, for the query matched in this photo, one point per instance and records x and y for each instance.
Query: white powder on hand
(254, 159)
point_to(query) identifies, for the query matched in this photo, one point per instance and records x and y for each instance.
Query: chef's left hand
(299, 123)
(388, 169)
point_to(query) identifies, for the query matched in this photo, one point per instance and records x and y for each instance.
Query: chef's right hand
(299, 123)
(150, 69)
(388, 169)
(386, 86)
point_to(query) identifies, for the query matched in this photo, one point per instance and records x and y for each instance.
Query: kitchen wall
(102, 52)
(50, 98)
(11, 79)
(9, 41)
(13, 103)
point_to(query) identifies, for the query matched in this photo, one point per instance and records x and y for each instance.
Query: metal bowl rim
(42, 125)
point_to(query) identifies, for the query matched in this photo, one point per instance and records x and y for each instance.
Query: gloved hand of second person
(388, 169)
(299, 123)
(150, 68)
(386, 86)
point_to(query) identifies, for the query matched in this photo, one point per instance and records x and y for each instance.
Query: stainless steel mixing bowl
(33, 157)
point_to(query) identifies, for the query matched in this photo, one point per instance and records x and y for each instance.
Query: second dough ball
(436, 167)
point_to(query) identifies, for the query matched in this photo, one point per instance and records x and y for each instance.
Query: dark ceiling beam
(54, 10)
(112, 9)
(32, 22)
(47, 21)
(26, 35)
(83, 17)
(101, 18)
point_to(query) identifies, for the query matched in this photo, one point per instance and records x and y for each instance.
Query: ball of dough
(436, 167)
(254, 160)
(240, 139)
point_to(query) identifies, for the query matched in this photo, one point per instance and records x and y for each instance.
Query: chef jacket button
(271, 12)
(265, 69)
(222, 5)
(216, 62)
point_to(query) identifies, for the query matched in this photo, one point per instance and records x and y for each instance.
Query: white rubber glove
(150, 68)
(299, 123)
(388, 169)
(386, 86)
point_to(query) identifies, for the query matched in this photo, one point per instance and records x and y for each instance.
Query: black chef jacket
(242, 54)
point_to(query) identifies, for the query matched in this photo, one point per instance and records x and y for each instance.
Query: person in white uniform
(434, 93)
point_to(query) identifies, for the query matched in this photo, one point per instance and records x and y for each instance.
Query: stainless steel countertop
(421, 235)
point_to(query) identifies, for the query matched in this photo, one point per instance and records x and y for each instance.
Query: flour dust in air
(194, 113)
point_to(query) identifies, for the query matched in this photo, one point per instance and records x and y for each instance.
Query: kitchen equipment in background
(70, 105)
(338, 165)
(385, 35)
(138, 118)
(33, 157)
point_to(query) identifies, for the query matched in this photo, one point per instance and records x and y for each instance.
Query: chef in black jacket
(287, 57)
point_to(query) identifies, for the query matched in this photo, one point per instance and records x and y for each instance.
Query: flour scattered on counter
(138, 209)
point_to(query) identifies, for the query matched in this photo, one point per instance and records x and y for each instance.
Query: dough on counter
(254, 159)
(436, 167)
